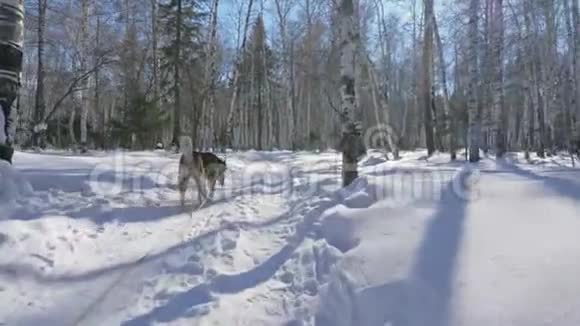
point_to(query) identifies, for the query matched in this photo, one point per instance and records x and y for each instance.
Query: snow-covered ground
(101, 240)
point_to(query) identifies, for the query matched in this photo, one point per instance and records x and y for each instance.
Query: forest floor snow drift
(100, 239)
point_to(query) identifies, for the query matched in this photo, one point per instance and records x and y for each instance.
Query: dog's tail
(186, 146)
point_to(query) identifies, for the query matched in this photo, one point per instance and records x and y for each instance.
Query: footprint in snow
(47, 261)
(50, 246)
(65, 240)
(3, 238)
(229, 239)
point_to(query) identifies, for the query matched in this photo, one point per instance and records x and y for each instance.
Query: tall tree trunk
(576, 57)
(155, 56)
(500, 116)
(268, 91)
(71, 120)
(448, 118)
(474, 112)
(283, 11)
(426, 76)
(414, 87)
(575, 73)
(236, 90)
(260, 116)
(292, 111)
(574, 99)
(380, 105)
(536, 74)
(97, 95)
(39, 133)
(177, 112)
(351, 143)
(211, 75)
(311, 68)
(84, 101)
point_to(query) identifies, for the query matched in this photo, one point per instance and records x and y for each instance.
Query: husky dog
(205, 168)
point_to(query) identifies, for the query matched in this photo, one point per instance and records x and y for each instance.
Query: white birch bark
(449, 126)
(236, 90)
(381, 105)
(472, 105)
(426, 85)
(84, 98)
(500, 117)
(283, 10)
(208, 107)
(351, 143)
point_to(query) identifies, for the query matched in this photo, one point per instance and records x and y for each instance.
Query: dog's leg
(201, 191)
(182, 184)
(211, 184)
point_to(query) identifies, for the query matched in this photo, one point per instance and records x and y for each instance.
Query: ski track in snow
(102, 241)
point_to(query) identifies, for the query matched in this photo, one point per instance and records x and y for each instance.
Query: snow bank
(282, 245)
(339, 228)
(12, 187)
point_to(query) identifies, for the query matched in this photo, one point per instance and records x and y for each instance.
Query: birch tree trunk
(576, 72)
(268, 91)
(236, 90)
(84, 99)
(83, 93)
(40, 106)
(474, 113)
(155, 51)
(500, 115)
(415, 86)
(71, 120)
(448, 118)
(292, 119)
(536, 75)
(426, 76)
(311, 67)
(97, 93)
(351, 143)
(283, 10)
(574, 106)
(208, 120)
(177, 112)
(548, 57)
(380, 105)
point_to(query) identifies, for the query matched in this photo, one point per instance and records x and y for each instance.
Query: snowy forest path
(108, 228)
